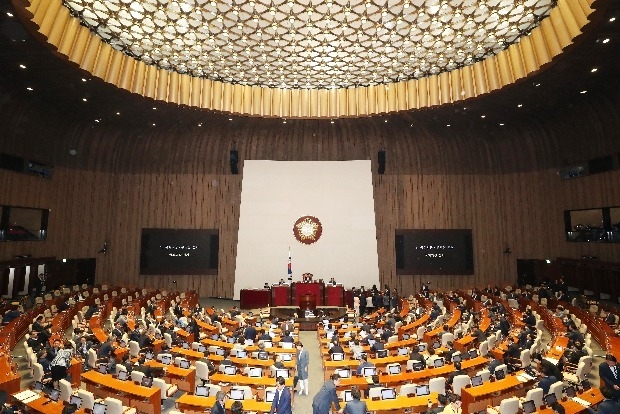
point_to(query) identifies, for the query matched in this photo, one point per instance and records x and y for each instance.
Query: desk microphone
(47, 402)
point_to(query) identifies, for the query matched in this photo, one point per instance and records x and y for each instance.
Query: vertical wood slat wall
(523, 211)
(556, 32)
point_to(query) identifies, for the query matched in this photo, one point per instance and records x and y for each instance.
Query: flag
(290, 268)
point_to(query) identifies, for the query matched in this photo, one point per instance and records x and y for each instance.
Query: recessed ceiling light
(230, 119)
(96, 120)
(83, 79)
(9, 14)
(483, 116)
(84, 99)
(385, 121)
(606, 40)
(284, 121)
(118, 113)
(613, 19)
(501, 124)
(200, 124)
(153, 124)
(332, 121)
(537, 84)
(519, 106)
(22, 66)
(447, 125)
(29, 88)
(583, 92)
(154, 108)
(594, 70)
(73, 151)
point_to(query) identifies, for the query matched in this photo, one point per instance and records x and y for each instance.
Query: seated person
(363, 364)
(375, 384)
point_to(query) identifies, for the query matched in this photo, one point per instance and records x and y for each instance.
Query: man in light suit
(303, 359)
(281, 403)
(609, 372)
(322, 401)
(355, 406)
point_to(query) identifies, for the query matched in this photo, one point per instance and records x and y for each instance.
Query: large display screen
(179, 251)
(434, 252)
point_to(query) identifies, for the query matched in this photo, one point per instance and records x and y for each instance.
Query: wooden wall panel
(523, 211)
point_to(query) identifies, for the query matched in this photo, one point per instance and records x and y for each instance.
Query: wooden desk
(192, 402)
(417, 377)
(492, 393)
(44, 405)
(184, 379)
(188, 353)
(243, 380)
(141, 398)
(593, 396)
(418, 404)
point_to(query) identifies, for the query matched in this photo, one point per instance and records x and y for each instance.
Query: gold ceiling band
(519, 60)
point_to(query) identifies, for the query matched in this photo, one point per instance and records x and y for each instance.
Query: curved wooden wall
(80, 46)
(521, 210)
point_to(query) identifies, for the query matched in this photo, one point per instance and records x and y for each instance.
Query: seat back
(437, 385)
(483, 349)
(557, 388)
(202, 370)
(163, 387)
(536, 395)
(88, 398)
(65, 390)
(459, 382)
(113, 406)
(509, 406)
(407, 389)
(136, 376)
(485, 374)
(447, 337)
(374, 392)
(247, 391)
(37, 371)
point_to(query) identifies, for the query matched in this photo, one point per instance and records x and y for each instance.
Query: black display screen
(434, 252)
(179, 251)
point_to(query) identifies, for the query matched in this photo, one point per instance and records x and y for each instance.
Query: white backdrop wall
(275, 194)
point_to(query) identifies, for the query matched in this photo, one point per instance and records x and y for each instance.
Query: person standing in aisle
(281, 404)
(303, 359)
(322, 401)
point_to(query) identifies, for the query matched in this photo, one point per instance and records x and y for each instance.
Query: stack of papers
(580, 401)
(552, 360)
(26, 396)
(527, 376)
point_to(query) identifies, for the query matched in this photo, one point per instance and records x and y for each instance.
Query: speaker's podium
(302, 294)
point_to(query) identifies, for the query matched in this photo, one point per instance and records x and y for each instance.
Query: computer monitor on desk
(202, 391)
(184, 363)
(422, 390)
(388, 394)
(369, 371)
(393, 369)
(439, 362)
(76, 400)
(255, 372)
(242, 354)
(476, 381)
(282, 373)
(237, 394)
(99, 408)
(348, 396)
(122, 375)
(54, 395)
(230, 370)
(549, 399)
(529, 407)
(337, 357)
(269, 396)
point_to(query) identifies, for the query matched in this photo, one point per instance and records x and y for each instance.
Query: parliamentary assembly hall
(309, 206)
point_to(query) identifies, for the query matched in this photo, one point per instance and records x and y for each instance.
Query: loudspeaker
(234, 159)
(382, 159)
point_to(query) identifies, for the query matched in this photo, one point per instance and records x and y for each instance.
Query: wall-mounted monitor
(594, 225)
(179, 252)
(23, 223)
(434, 252)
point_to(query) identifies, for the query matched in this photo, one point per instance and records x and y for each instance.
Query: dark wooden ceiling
(556, 125)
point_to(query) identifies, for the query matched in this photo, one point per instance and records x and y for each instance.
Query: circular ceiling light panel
(310, 43)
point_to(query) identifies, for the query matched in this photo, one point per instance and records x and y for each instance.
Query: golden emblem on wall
(307, 229)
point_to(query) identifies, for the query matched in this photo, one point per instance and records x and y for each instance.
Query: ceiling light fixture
(22, 66)
(9, 14)
(183, 36)
(29, 88)
(594, 70)
(606, 40)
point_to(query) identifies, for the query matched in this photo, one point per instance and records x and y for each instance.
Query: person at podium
(332, 281)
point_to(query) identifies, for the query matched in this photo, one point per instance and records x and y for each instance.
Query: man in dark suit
(608, 405)
(457, 371)
(363, 364)
(282, 401)
(287, 337)
(220, 401)
(546, 381)
(609, 372)
(250, 333)
(336, 348)
(83, 346)
(322, 401)
(355, 406)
